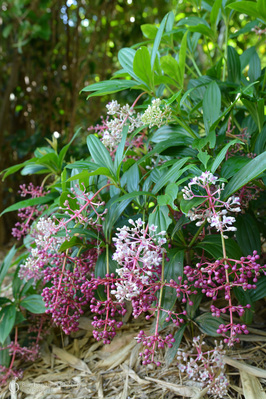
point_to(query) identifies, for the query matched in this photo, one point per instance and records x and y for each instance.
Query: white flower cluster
(139, 252)
(207, 368)
(211, 207)
(155, 116)
(122, 114)
(46, 244)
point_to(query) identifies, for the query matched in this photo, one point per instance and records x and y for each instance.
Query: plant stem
(225, 48)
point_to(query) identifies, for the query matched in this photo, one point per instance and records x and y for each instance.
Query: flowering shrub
(142, 219)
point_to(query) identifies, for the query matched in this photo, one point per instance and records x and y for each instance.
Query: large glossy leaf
(31, 202)
(246, 174)
(233, 65)
(220, 157)
(126, 59)
(171, 176)
(142, 66)
(211, 105)
(171, 352)
(101, 270)
(7, 318)
(159, 217)
(209, 324)
(99, 153)
(6, 264)
(107, 87)
(251, 8)
(34, 303)
(158, 38)
(247, 234)
(173, 270)
(213, 245)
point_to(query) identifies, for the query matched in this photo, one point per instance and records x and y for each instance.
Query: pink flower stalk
(28, 214)
(212, 208)
(221, 276)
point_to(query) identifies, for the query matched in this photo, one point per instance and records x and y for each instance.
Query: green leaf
(211, 105)
(233, 65)
(119, 155)
(5, 357)
(159, 217)
(6, 264)
(74, 241)
(101, 270)
(254, 71)
(107, 87)
(173, 270)
(209, 324)
(171, 352)
(169, 197)
(34, 303)
(171, 176)
(204, 157)
(126, 59)
(158, 38)
(31, 202)
(171, 67)
(213, 245)
(247, 234)
(260, 291)
(182, 58)
(99, 153)
(66, 147)
(114, 212)
(260, 145)
(7, 318)
(204, 30)
(246, 174)
(215, 13)
(149, 30)
(186, 205)
(219, 158)
(12, 170)
(250, 8)
(233, 165)
(196, 299)
(142, 66)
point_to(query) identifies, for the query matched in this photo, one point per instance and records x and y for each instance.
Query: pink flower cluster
(212, 208)
(205, 367)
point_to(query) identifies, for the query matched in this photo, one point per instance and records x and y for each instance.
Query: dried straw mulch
(78, 367)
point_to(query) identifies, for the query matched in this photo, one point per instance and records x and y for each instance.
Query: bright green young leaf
(107, 87)
(204, 157)
(251, 8)
(142, 66)
(171, 67)
(149, 30)
(158, 38)
(182, 58)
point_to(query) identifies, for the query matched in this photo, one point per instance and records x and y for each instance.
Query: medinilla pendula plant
(164, 212)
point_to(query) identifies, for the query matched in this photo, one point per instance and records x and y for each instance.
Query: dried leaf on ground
(255, 371)
(251, 386)
(181, 390)
(71, 360)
